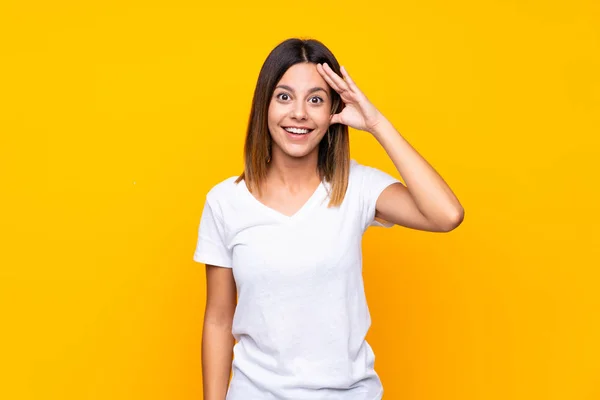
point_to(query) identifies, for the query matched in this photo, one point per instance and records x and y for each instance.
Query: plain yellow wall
(116, 118)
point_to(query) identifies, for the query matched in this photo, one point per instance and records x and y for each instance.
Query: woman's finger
(327, 78)
(335, 119)
(336, 78)
(351, 83)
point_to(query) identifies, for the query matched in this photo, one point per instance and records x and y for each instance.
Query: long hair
(334, 148)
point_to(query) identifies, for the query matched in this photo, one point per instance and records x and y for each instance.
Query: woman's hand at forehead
(358, 113)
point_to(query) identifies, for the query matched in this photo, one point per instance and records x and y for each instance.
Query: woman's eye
(320, 100)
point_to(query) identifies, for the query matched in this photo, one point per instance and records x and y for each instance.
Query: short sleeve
(211, 247)
(374, 181)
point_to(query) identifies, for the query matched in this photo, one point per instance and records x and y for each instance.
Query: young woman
(283, 239)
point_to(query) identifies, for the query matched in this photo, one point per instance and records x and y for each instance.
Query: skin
(427, 203)
(292, 176)
(291, 180)
(298, 106)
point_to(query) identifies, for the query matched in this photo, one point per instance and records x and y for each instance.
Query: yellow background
(116, 118)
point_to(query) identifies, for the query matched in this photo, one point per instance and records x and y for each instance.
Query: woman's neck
(294, 173)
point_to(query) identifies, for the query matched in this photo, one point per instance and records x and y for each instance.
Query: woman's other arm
(217, 339)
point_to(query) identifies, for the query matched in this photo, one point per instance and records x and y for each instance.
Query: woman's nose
(299, 111)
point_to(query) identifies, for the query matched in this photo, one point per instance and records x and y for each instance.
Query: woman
(285, 236)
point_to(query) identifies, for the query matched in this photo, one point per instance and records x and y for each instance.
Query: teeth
(298, 131)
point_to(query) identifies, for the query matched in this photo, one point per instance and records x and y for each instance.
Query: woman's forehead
(302, 77)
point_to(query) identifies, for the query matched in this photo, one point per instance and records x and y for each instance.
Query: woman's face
(301, 99)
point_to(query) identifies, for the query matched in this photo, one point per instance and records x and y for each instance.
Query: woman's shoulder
(223, 189)
(356, 168)
(369, 176)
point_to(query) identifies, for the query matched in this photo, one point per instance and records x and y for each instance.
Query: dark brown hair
(334, 148)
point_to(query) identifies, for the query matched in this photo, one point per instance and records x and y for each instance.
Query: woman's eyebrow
(315, 89)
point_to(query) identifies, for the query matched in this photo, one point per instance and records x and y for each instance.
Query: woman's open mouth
(297, 133)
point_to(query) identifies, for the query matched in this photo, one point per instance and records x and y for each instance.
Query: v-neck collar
(312, 200)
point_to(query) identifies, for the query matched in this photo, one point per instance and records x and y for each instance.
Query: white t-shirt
(301, 316)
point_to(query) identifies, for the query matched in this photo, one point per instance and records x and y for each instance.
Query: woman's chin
(297, 153)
